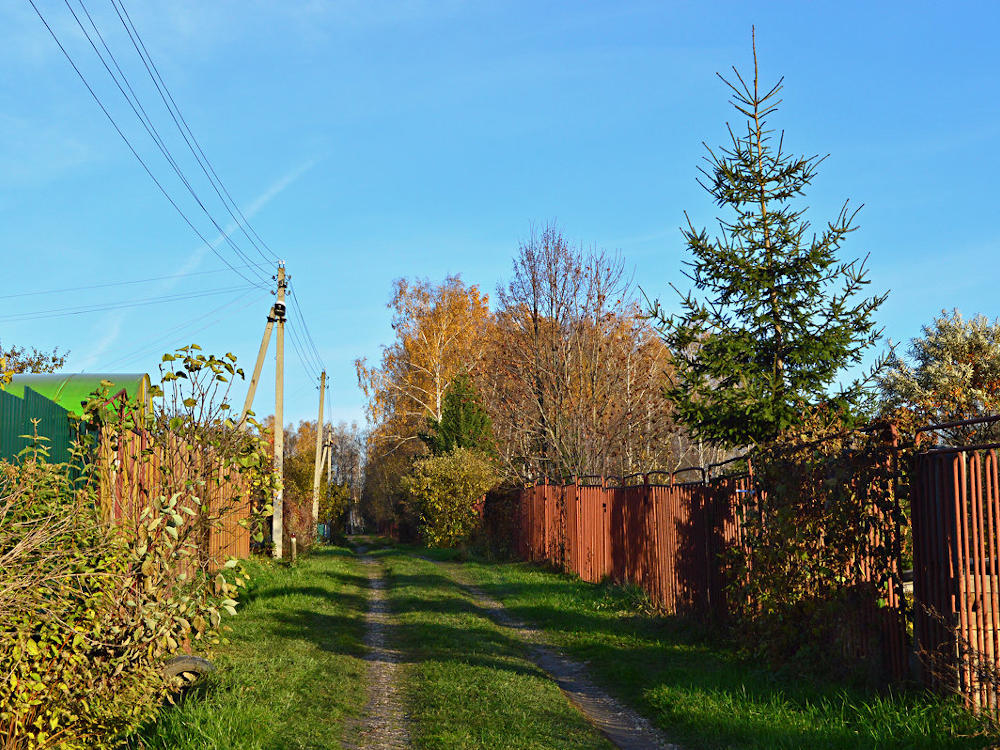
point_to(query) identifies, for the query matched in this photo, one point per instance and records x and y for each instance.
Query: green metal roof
(72, 390)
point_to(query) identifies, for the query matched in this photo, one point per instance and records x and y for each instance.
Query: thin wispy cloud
(111, 326)
(230, 230)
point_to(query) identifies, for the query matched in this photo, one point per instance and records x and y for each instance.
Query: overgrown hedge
(89, 612)
(91, 608)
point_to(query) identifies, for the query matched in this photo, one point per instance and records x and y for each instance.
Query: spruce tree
(775, 316)
(463, 424)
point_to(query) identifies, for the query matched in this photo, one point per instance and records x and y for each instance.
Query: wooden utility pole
(277, 520)
(317, 471)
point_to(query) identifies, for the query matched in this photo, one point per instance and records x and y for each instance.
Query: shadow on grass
(703, 693)
(350, 601)
(264, 663)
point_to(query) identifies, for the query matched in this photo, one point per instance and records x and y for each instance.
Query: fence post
(573, 535)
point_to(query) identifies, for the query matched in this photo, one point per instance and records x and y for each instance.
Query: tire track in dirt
(385, 723)
(624, 727)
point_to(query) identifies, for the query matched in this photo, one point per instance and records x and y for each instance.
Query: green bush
(446, 491)
(820, 547)
(91, 607)
(90, 611)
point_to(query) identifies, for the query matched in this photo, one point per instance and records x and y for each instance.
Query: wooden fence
(135, 470)
(956, 576)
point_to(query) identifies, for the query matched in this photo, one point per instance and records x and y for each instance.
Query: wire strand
(299, 351)
(131, 148)
(185, 130)
(305, 327)
(151, 345)
(148, 125)
(59, 312)
(105, 285)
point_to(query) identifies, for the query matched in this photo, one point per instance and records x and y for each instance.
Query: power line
(301, 314)
(314, 366)
(306, 343)
(329, 407)
(131, 148)
(309, 367)
(59, 312)
(302, 340)
(185, 130)
(147, 122)
(104, 285)
(305, 327)
(151, 345)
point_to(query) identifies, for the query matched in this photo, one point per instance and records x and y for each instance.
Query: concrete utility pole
(317, 471)
(262, 352)
(277, 520)
(329, 456)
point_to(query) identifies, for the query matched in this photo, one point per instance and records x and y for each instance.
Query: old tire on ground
(187, 665)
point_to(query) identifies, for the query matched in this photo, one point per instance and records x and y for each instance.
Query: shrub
(953, 374)
(91, 610)
(92, 603)
(446, 491)
(821, 543)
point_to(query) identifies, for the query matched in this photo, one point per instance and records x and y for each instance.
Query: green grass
(468, 682)
(292, 671)
(702, 693)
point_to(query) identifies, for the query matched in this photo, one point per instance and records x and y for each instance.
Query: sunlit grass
(470, 683)
(292, 671)
(700, 691)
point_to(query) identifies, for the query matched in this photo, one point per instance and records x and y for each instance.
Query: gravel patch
(384, 724)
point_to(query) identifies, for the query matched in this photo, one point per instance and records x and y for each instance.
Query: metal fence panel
(16, 420)
(956, 548)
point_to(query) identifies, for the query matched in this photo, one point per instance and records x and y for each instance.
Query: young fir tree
(779, 317)
(463, 424)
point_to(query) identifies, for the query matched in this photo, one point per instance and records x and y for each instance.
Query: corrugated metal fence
(664, 537)
(668, 537)
(16, 421)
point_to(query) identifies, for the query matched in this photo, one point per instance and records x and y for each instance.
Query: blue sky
(371, 140)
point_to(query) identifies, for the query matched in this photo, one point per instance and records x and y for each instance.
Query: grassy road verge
(704, 695)
(292, 671)
(469, 682)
